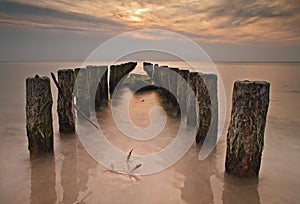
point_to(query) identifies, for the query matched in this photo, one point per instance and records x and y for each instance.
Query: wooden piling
(118, 73)
(173, 80)
(82, 92)
(148, 68)
(181, 90)
(192, 99)
(39, 125)
(245, 137)
(66, 79)
(103, 85)
(207, 94)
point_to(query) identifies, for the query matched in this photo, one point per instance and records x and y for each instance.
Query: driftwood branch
(69, 101)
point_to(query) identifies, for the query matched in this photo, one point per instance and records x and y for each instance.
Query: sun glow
(134, 14)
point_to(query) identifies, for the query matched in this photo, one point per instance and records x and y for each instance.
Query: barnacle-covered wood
(65, 111)
(245, 137)
(39, 125)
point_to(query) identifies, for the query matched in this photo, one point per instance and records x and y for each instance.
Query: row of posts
(250, 102)
(91, 90)
(184, 90)
(192, 94)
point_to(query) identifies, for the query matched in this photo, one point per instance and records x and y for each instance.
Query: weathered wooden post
(173, 78)
(148, 68)
(207, 92)
(39, 125)
(66, 79)
(245, 137)
(164, 82)
(112, 78)
(103, 85)
(155, 75)
(82, 92)
(94, 75)
(191, 100)
(117, 72)
(181, 90)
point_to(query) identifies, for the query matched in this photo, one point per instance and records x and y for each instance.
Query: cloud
(48, 18)
(226, 21)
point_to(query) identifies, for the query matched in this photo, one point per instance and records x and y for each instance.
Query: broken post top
(251, 88)
(131, 64)
(147, 64)
(97, 66)
(253, 83)
(37, 77)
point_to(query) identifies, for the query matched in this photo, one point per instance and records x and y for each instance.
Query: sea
(71, 175)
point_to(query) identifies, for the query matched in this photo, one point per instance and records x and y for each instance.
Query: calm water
(72, 176)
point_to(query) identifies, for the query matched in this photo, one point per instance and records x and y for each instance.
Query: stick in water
(69, 101)
(129, 155)
(136, 167)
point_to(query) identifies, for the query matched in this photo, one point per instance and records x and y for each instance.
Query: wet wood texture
(39, 125)
(245, 137)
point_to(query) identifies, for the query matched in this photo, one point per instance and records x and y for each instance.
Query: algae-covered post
(245, 137)
(66, 79)
(39, 125)
(82, 91)
(191, 100)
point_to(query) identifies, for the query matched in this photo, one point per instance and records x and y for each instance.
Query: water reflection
(61, 177)
(197, 186)
(75, 170)
(240, 190)
(42, 179)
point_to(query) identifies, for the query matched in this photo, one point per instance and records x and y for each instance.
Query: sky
(65, 30)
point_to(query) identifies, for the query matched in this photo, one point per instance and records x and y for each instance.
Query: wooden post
(94, 75)
(103, 85)
(164, 78)
(207, 93)
(173, 78)
(245, 137)
(39, 125)
(66, 79)
(181, 90)
(82, 91)
(117, 72)
(148, 68)
(191, 100)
